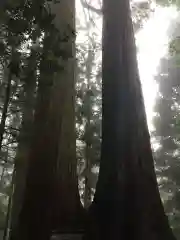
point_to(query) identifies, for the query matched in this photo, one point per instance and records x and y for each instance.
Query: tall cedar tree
(127, 203)
(51, 198)
(21, 159)
(68, 212)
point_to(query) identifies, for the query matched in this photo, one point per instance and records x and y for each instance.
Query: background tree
(14, 31)
(166, 123)
(88, 106)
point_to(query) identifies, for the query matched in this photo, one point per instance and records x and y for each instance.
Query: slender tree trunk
(5, 106)
(87, 190)
(127, 203)
(8, 216)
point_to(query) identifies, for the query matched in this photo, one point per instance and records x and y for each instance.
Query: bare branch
(90, 7)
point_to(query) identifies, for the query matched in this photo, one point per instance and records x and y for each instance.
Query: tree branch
(90, 7)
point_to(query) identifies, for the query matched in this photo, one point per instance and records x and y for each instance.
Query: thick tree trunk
(35, 217)
(21, 160)
(127, 203)
(67, 212)
(51, 197)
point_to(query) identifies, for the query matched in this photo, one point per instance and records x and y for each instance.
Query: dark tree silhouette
(127, 203)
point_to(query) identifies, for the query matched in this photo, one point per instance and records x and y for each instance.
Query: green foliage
(88, 117)
(167, 3)
(140, 13)
(174, 46)
(167, 125)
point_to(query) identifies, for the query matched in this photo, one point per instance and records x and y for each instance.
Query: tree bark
(35, 216)
(127, 203)
(7, 96)
(21, 159)
(68, 213)
(51, 200)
